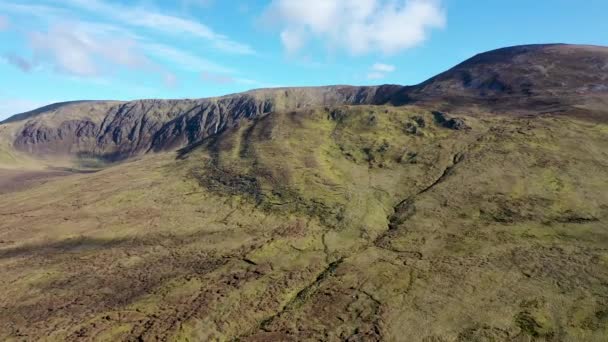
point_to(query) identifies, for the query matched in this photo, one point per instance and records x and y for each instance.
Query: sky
(61, 50)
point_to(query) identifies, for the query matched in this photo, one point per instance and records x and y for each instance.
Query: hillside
(331, 213)
(323, 224)
(552, 78)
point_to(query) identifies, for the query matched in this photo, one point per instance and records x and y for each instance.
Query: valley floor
(12, 180)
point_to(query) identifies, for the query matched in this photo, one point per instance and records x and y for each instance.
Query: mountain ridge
(519, 80)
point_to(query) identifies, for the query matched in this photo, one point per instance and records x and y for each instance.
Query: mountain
(531, 79)
(472, 213)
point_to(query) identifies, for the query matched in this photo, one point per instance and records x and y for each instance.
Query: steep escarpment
(118, 130)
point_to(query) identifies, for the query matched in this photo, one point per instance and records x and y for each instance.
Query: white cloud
(360, 26)
(170, 79)
(380, 70)
(160, 22)
(380, 67)
(219, 78)
(4, 23)
(85, 49)
(75, 50)
(293, 40)
(94, 49)
(126, 37)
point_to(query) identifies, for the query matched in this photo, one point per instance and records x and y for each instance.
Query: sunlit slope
(11, 158)
(336, 223)
(117, 131)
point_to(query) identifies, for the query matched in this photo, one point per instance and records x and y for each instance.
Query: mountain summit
(529, 78)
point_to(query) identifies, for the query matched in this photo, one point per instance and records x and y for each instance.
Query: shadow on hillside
(64, 246)
(182, 153)
(91, 159)
(72, 170)
(48, 250)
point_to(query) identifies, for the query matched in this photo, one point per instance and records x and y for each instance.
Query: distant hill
(532, 78)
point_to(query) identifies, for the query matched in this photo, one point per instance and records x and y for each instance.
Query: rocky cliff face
(119, 130)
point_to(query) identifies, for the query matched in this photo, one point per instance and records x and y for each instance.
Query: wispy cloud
(170, 79)
(380, 70)
(218, 78)
(380, 67)
(359, 27)
(78, 51)
(19, 62)
(89, 49)
(293, 40)
(93, 50)
(160, 22)
(36, 10)
(96, 40)
(4, 23)
(182, 59)
(186, 4)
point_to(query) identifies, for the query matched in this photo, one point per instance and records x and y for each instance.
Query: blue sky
(58, 50)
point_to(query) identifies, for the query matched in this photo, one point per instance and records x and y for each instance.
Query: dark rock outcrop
(70, 136)
(121, 130)
(444, 120)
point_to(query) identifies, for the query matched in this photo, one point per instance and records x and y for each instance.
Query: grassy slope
(323, 224)
(9, 158)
